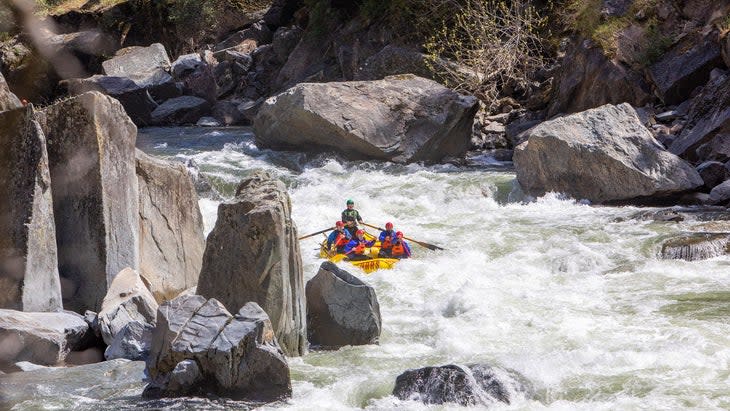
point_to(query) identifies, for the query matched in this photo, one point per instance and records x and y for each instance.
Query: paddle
(421, 243)
(318, 232)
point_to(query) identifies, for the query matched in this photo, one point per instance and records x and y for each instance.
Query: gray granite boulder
(95, 200)
(713, 173)
(401, 118)
(186, 64)
(341, 309)
(8, 100)
(253, 254)
(720, 194)
(41, 338)
(602, 155)
(473, 385)
(134, 60)
(180, 110)
(128, 300)
(28, 261)
(170, 227)
(135, 99)
(696, 246)
(131, 342)
(199, 348)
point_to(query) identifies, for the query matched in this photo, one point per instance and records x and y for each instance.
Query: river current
(573, 297)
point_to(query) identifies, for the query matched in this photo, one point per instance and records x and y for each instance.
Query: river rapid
(573, 297)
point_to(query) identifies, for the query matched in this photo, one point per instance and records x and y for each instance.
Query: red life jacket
(386, 245)
(398, 249)
(341, 240)
(360, 248)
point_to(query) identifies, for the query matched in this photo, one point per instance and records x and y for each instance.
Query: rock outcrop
(41, 338)
(401, 118)
(180, 110)
(684, 68)
(199, 348)
(127, 301)
(473, 385)
(132, 342)
(253, 254)
(708, 124)
(589, 79)
(341, 309)
(602, 155)
(696, 246)
(95, 200)
(28, 261)
(8, 100)
(170, 227)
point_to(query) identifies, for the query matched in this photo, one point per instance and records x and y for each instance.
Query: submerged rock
(199, 348)
(602, 155)
(171, 236)
(401, 118)
(95, 200)
(697, 246)
(28, 261)
(253, 254)
(341, 309)
(473, 385)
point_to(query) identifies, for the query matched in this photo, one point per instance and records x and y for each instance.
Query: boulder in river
(128, 300)
(41, 338)
(170, 227)
(137, 102)
(603, 155)
(28, 261)
(400, 118)
(95, 200)
(696, 246)
(180, 110)
(199, 348)
(341, 309)
(473, 385)
(131, 342)
(253, 254)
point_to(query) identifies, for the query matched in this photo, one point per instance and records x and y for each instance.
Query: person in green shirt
(351, 218)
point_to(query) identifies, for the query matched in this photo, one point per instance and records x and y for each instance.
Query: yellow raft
(368, 265)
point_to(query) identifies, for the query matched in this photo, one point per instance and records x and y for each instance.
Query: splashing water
(575, 298)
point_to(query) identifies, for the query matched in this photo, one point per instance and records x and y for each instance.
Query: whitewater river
(572, 297)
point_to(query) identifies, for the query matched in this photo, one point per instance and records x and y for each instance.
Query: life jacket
(341, 240)
(360, 249)
(398, 249)
(386, 244)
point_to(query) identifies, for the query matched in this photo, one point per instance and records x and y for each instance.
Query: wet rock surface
(128, 300)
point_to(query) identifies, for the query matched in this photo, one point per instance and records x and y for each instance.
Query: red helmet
(339, 224)
(360, 232)
(388, 225)
(399, 234)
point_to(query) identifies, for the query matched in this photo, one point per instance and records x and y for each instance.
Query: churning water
(573, 297)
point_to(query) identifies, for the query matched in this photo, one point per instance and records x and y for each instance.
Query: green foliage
(655, 45)
(320, 13)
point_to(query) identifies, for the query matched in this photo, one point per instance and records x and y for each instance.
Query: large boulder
(135, 60)
(472, 385)
(401, 118)
(41, 338)
(199, 348)
(708, 122)
(8, 100)
(602, 155)
(180, 110)
(131, 342)
(588, 79)
(95, 200)
(341, 309)
(685, 68)
(696, 246)
(137, 103)
(171, 237)
(28, 261)
(128, 300)
(253, 254)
